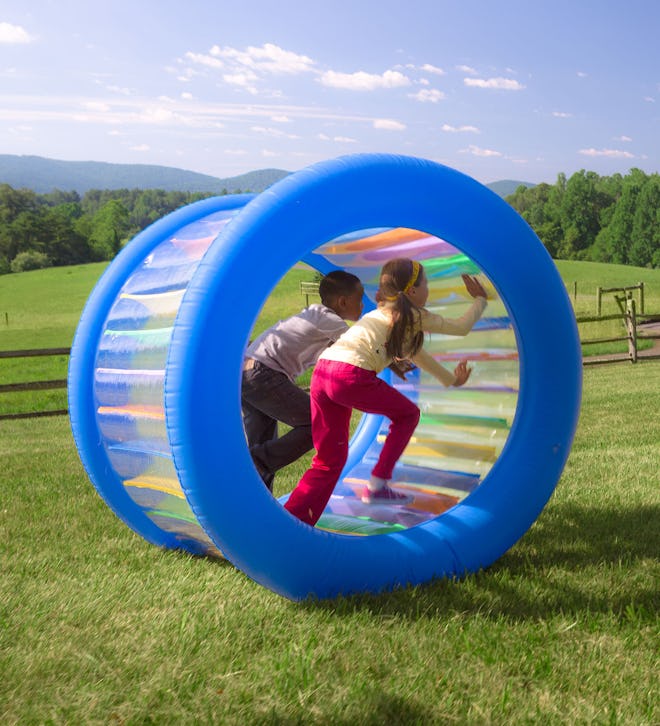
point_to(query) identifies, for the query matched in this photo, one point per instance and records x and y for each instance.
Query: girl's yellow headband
(413, 278)
(416, 267)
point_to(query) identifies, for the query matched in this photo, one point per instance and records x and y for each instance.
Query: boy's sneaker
(386, 495)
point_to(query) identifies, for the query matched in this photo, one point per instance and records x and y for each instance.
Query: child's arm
(429, 364)
(459, 326)
(432, 323)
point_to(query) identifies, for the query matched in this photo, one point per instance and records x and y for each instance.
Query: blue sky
(498, 90)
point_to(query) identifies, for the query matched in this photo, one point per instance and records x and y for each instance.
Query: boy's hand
(401, 366)
(473, 286)
(461, 373)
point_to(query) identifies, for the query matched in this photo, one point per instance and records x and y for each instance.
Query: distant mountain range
(44, 175)
(504, 187)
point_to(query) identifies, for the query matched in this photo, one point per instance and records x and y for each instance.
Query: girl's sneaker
(385, 495)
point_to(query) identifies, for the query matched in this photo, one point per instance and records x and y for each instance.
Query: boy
(273, 362)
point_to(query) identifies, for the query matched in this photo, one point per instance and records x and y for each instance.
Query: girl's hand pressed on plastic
(461, 373)
(473, 286)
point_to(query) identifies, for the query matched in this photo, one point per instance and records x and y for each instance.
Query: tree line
(599, 218)
(585, 217)
(63, 228)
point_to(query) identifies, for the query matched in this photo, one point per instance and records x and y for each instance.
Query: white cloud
(14, 34)
(280, 119)
(460, 129)
(388, 124)
(140, 147)
(649, 99)
(187, 96)
(269, 153)
(428, 68)
(582, 74)
(611, 153)
(562, 114)
(361, 81)
(428, 95)
(235, 152)
(245, 80)
(622, 138)
(338, 139)
(246, 68)
(119, 89)
(158, 115)
(204, 60)
(501, 84)
(274, 133)
(467, 69)
(96, 106)
(269, 58)
(478, 151)
(22, 132)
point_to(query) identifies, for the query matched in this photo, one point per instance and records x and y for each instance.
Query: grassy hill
(41, 308)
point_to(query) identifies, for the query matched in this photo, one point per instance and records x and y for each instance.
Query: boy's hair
(396, 278)
(335, 284)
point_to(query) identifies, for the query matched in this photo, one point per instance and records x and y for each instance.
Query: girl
(346, 377)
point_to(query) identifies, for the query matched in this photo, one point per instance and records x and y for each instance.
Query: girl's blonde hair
(397, 277)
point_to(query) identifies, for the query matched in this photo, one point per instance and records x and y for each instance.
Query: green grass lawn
(41, 309)
(98, 626)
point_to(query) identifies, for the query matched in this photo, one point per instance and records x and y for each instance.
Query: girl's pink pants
(336, 389)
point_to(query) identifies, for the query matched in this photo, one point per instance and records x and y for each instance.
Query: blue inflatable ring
(278, 228)
(203, 375)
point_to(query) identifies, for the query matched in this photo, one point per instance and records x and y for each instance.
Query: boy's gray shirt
(293, 345)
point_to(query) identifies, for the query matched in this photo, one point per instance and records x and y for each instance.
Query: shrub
(30, 260)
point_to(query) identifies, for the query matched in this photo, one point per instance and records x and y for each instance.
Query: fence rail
(307, 289)
(631, 320)
(628, 294)
(33, 352)
(33, 385)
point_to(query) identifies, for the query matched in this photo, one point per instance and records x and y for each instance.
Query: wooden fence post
(631, 325)
(641, 298)
(599, 295)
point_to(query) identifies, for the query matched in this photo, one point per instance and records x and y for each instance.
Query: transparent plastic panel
(463, 430)
(130, 373)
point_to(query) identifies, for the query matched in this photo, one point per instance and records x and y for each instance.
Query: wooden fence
(630, 318)
(33, 385)
(307, 289)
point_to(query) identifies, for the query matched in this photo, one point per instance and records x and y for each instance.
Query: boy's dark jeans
(267, 397)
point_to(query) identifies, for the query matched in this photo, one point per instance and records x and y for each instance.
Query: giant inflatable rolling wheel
(203, 370)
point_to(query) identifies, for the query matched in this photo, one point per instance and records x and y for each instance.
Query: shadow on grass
(376, 709)
(574, 560)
